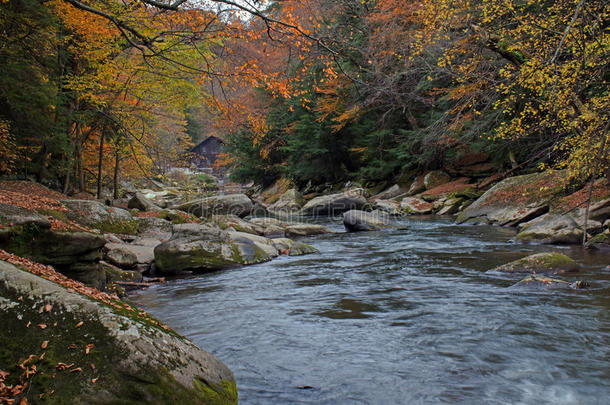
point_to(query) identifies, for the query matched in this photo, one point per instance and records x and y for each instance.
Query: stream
(399, 317)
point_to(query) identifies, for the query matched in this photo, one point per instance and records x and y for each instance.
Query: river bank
(140, 240)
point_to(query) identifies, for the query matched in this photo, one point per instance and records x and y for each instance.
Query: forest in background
(317, 91)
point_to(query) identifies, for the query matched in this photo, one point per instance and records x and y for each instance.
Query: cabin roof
(206, 140)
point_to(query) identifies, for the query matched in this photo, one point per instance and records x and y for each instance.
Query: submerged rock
(86, 351)
(541, 263)
(358, 221)
(549, 283)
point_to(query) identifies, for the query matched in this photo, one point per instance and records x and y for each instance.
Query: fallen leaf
(28, 324)
(72, 346)
(48, 307)
(94, 380)
(42, 325)
(24, 401)
(44, 344)
(92, 366)
(89, 347)
(78, 325)
(76, 370)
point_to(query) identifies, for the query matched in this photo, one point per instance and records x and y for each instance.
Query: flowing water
(399, 317)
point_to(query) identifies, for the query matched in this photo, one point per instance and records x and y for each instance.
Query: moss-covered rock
(75, 254)
(84, 351)
(204, 248)
(301, 249)
(541, 263)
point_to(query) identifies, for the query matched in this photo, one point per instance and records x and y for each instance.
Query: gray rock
(134, 357)
(237, 223)
(232, 204)
(358, 221)
(289, 202)
(301, 249)
(414, 205)
(417, 186)
(120, 256)
(139, 202)
(93, 213)
(335, 204)
(389, 193)
(541, 263)
(306, 230)
(11, 215)
(274, 231)
(265, 244)
(552, 229)
(154, 227)
(389, 206)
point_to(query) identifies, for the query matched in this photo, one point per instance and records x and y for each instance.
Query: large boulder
(552, 229)
(289, 202)
(140, 202)
(13, 216)
(359, 221)
(247, 239)
(540, 263)
(97, 215)
(120, 256)
(414, 205)
(335, 204)
(75, 254)
(204, 248)
(231, 204)
(151, 226)
(517, 199)
(94, 349)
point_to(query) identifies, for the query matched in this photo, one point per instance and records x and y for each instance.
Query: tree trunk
(100, 164)
(116, 174)
(79, 169)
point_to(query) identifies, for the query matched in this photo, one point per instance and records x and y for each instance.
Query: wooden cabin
(205, 154)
